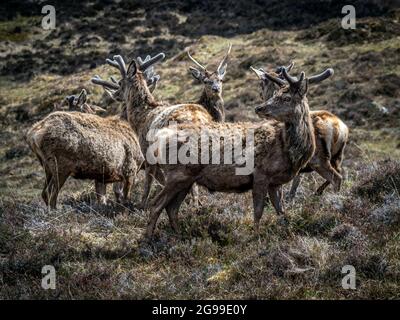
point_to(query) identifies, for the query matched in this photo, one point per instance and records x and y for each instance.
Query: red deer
(86, 146)
(331, 135)
(145, 114)
(282, 147)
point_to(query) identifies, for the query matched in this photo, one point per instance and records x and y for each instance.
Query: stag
(331, 135)
(282, 147)
(86, 146)
(145, 114)
(211, 97)
(78, 103)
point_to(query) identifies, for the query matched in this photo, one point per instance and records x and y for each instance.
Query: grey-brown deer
(78, 103)
(331, 135)
(86, 146)
(147, 115)
(211, 96)
(282, 147)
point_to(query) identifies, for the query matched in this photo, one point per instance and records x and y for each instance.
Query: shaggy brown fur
(331, 136)
(146, 115)
(84, 146)
(281, 149)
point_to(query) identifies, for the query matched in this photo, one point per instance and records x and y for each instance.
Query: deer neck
(300, 136)
(214, 105)
(138, 107)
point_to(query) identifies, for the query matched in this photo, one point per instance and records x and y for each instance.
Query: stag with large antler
(281, 148)
(331, 134)
(86, 146)
(145, 114)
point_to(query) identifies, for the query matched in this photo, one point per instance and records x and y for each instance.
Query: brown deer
(86, 146)
(211, 97)
(74, 103)
(282, 147)
(331, 136)
(145, 114)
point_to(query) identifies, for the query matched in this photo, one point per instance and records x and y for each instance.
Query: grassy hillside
(96, 249)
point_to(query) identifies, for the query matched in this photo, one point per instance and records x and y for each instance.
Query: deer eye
(286, 99)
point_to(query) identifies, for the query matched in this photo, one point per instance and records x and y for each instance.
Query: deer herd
(288, 140)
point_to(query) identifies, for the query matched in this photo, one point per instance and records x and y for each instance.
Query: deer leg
(195, 196)
(55, 187)
(169, 192)
(258, 203)
(118, 191)
(45, 191)
(276, 195)
(159, 203)
(148, 181)
(128, 187)
(293, 189)
(173, 208)
(330, 174)
(101, 192)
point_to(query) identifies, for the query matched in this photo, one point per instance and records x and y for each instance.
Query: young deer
(211, 97)
(86, 146)
(331, 136)
(281, 148)
(78, 103)
(146, 115)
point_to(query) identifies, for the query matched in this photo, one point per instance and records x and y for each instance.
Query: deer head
(285, 102)
(78, 104)
(117, 89)
(268, 87)
(212, 80)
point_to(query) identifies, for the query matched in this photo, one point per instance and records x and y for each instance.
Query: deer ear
(82, 98)
(196, 73)
(132, 69)
(70, 100)
(260, 74)
(222, 71)
(303, 87)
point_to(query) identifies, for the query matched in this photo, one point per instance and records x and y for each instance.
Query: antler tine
(225, 58)
(151, 61)
(322, 76)
(106, 84)
(121, 65)
(290, 66)
(277, 80)
(196, 62)
(289, 78)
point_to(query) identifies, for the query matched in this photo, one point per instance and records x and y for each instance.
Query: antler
(119, 63)
(106, 84)
(322, 76)
(222, 65)
(271, 77)
(196, 62)
(150, 61)
(289, 78)
(151, 77)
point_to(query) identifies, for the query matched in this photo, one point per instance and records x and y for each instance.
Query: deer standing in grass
(146, 115)
(86, 146)
(211, 96)
(282, 147)
(331, 135)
